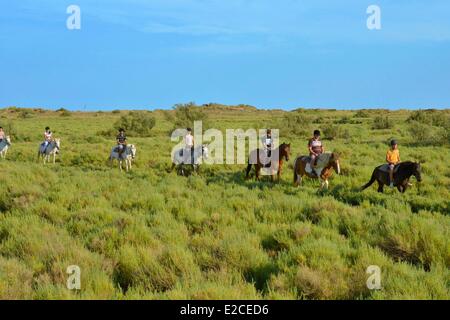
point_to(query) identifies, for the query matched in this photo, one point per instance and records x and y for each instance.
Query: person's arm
(310, 148)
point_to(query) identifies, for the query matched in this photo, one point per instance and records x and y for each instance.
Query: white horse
(179, 158)
(128, 156)
(52, 149)
(4, 146)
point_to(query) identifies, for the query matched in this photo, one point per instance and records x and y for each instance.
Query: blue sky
(271, 54)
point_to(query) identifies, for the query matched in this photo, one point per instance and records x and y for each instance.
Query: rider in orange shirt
(392, 158)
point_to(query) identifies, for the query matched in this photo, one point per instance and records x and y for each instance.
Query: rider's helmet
(121, 130)
(269, 131)
(393, 142)
(316, 132)
(189, 130)
(47, 128)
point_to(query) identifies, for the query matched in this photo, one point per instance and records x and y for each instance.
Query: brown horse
(402, 174)
(330, 162)
(283, 152)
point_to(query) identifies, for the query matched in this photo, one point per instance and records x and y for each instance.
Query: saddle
(43, 148)
(307, 159)
(266, 161)
(385, 168)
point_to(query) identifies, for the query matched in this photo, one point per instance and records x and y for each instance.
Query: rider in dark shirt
(121, 141)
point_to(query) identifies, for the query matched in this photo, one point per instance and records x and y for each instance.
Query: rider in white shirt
(2, 135)
(189, 147)
(47, 137)
(267, 142)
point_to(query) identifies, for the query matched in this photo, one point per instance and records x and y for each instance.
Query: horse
(52, 148)
(257, 157)
(326, 163)
(402, 173)
(178, 158)
(4, 146)
(128, 155)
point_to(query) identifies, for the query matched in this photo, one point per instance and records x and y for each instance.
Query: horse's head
(57, 143)
(285, 151)
(133, 151)
(205, 151)
(417, 171)
(335, 162)
(8, 140)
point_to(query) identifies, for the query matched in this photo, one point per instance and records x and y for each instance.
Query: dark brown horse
(283, 152)
(330, 163)
(402, 174)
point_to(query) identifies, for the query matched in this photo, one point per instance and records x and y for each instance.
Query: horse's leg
(54, 158)
(322, 184)
(327, 184)
(257, 171)
(299, 179)
(296, 175)
(247, 171)
(182, 169)
(380, 186)
(405, 187)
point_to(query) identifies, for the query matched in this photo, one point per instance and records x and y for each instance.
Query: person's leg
(187, 155)
(391, 175)
(120, 150)
(45, 146)
(313, 161)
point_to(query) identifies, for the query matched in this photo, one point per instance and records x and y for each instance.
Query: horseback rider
(121, 142)
(315, 148)
(2, 135)
(48, 136)
(392, 158)
(189, 147)
(267, 142)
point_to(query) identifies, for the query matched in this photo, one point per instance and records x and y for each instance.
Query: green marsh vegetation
(150, 234)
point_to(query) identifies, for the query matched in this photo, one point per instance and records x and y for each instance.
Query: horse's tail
(371, 182)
